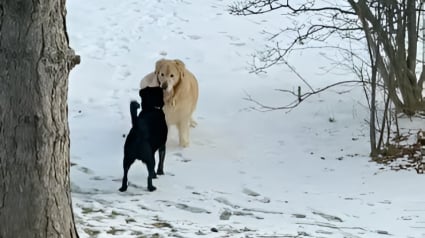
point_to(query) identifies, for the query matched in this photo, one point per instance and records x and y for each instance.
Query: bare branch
(253, 7)
(300, 98)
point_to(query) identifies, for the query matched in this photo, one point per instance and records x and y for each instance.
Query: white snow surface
(246, 173)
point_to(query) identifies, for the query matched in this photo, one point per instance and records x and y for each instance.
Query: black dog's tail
(133, 111)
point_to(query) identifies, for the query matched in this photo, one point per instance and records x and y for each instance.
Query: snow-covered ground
(247, 173)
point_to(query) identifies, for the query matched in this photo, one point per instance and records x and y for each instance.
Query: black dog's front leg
(161, 153)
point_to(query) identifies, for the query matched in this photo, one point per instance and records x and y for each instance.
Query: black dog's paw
(123, 189)
(151, 188)
(160, 172)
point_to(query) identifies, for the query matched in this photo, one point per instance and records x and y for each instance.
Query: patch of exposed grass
(88, 210)
(115, 214)
(162, 225)
(114, 231)
(91, 232)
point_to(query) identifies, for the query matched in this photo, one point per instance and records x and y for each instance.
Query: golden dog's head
(169, 73)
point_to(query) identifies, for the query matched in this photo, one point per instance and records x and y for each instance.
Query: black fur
(147, 135)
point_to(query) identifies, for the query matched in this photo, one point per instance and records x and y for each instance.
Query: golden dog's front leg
(183, 128)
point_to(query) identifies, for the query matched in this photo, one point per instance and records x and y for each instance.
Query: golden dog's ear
(158, 65)
(180, 67)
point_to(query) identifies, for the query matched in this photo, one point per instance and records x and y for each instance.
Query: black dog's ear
(141, 92)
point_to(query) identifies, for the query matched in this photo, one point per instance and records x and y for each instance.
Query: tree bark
(35, 61)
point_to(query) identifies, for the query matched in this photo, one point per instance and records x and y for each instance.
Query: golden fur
(180, 94)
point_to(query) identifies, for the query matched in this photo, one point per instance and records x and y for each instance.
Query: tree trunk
(396, 65)
(35, 61)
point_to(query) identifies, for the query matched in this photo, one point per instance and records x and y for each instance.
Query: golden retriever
(180, 94)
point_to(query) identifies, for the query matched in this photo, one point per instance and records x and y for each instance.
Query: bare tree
(35, 61)
(377, 39)
(397, 35)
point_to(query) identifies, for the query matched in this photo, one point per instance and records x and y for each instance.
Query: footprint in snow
(300, 216)
(185, 207)
(180, 156)
(238, 44)
(328, 217)
(134, 185)
(226, 202)
(123, 70)
(232, 38)
(115, 94)
(85, 170)
(260, 210)
(97, 178)
(169, 174)
(385, 202)
(194, 37)
(250, 192)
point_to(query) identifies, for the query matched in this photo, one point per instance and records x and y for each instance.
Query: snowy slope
(247, 173)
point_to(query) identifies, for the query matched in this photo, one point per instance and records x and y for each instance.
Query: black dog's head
(152, 98)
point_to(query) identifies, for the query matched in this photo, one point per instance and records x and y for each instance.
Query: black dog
(147, 135)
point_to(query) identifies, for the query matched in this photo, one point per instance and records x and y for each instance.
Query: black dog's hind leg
(150, 164)
(161, 153)
(126, 165)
